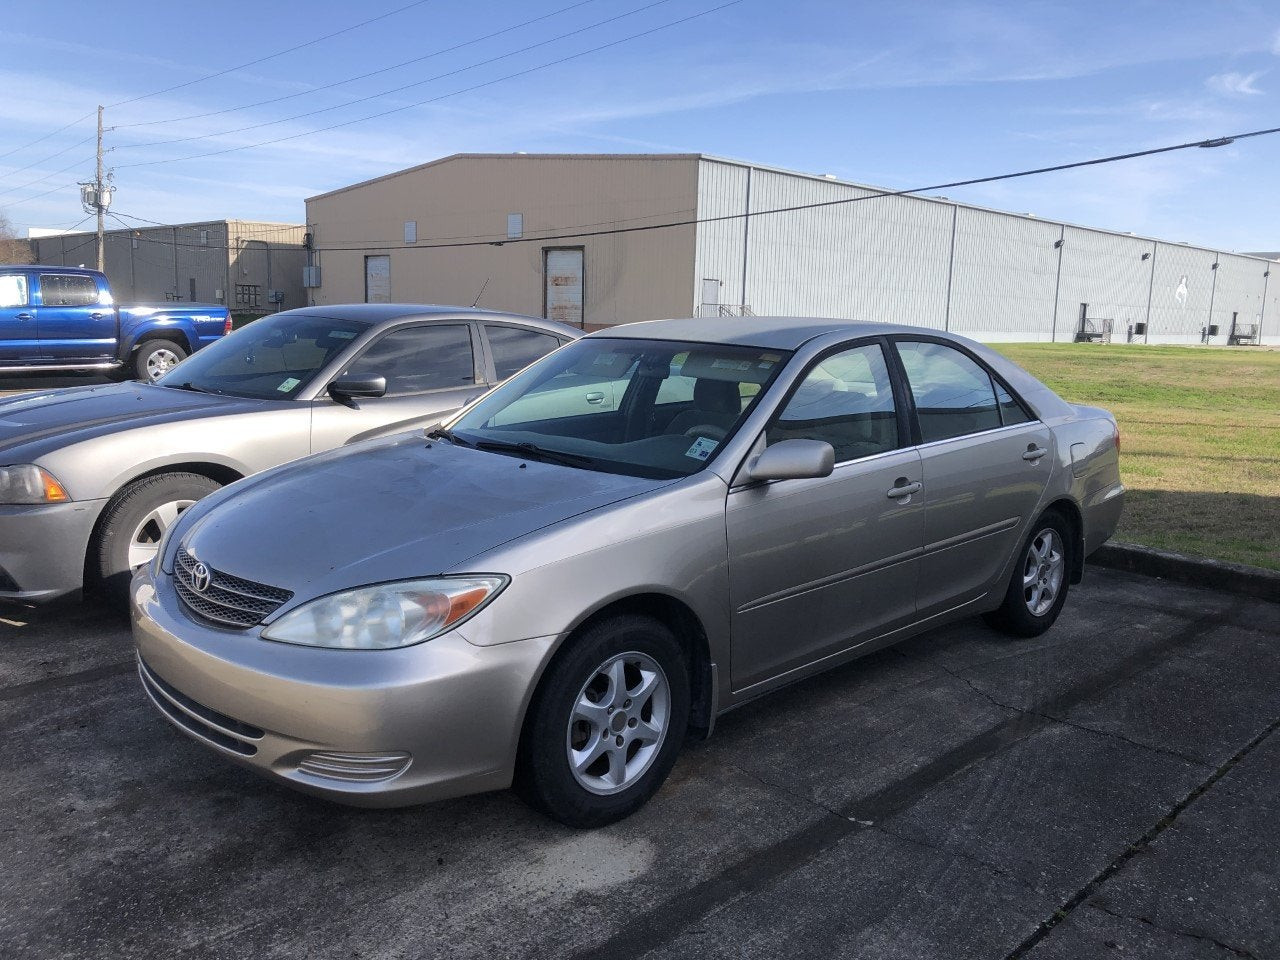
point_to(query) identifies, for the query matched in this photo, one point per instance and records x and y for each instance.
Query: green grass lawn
(1200, 439)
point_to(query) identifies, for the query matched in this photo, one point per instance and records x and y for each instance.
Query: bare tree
(13, 249)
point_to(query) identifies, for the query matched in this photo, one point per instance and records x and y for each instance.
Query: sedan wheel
(606, 722)
(618, 723)
(134, 524)
(1038, 587)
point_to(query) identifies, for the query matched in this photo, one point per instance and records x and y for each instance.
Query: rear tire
(154, 358)
(133, 525)
(1040, 580)
(606, 723)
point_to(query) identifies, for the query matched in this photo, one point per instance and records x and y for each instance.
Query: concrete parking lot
(1109, 789)
(14, 384)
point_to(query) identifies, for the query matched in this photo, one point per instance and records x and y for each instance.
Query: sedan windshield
(645, 408)
(271, 359)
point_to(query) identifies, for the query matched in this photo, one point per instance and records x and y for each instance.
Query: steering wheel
(708, 430)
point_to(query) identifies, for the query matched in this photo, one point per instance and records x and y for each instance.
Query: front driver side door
(430, 370)
(819, 565)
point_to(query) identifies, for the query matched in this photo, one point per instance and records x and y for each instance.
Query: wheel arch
(175, 334)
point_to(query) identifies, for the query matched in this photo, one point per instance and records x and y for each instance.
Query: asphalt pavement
(1110, 789)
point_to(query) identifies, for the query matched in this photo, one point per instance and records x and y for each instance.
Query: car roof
(374, 313)
(777, 333)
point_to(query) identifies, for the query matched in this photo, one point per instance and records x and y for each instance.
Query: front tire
(1041, 577)
(606, 723)
(154, 358)
(135, 522)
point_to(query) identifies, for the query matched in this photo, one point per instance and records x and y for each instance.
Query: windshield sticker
(722, 364)
(771, 357)
(342, 334)
(288, 385)
(702, 448)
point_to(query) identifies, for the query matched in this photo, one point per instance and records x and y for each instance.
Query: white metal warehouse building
(557, 235)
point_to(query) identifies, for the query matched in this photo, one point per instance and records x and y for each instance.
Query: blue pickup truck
(64, 318)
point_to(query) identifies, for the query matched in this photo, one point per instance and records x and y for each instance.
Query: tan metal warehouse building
(564, 236)
(249, 265)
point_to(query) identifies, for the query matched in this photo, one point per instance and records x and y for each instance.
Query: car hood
(38, 422)
(390, 510)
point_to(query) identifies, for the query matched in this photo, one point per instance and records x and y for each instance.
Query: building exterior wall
(468, 198)
(1106, 272)
(197, 261)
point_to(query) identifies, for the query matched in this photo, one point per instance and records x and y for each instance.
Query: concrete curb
(1197, 571)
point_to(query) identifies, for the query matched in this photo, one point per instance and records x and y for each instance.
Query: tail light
(226, 327)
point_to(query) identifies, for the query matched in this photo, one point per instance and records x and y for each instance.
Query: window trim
(906, 436)
(477, 371)
(492, 358)
(916, 433)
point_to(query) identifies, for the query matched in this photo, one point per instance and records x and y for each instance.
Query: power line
(444, 96)
(310, 91)
(499, 241)
(399, 89)
(271, 56)
(43, 179)
(46, 136)
(52, 156)
(18, 203)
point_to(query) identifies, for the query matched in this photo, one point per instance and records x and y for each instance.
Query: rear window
(65, 290)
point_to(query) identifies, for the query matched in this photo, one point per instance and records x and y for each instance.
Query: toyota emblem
(200, 578)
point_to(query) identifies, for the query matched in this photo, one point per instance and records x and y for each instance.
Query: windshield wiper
(535, 451)
(443, 433)
(188, 385)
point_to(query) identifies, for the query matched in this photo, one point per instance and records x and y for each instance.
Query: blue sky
(894, 94)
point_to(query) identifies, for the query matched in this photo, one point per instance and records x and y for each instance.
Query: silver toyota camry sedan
(642, 530)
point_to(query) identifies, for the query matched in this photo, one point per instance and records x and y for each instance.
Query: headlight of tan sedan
(27, 483)
(387, 615)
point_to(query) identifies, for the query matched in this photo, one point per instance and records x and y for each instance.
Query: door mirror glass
(345, 388)
(794, 460)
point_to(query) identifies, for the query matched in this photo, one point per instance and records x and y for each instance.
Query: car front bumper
(42, 549)
(340, 724)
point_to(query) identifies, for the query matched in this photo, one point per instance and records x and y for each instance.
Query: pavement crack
(1046, 926)
(1237, 951)
(787, 791)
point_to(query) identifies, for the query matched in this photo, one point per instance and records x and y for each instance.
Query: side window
(514, 348)
(953, 393)
(846, 399)
(421, 358)
(13, 290)
(68, 291)
(1011, 411)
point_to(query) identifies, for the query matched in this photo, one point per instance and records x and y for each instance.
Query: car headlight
(387, 615)
(27, 483)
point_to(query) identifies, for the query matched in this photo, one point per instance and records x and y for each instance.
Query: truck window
(13, 290)
(68, 290)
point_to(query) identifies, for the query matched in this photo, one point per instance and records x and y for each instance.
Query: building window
(515, 226)
(204, 238)
(247, 294)
(411, 231)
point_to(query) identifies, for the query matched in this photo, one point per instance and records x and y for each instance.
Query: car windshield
(270, 359)
(647, 408)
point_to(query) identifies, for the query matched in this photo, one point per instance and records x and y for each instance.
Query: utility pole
(98, 199)
(95, 196)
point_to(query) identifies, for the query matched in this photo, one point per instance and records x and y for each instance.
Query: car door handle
(25, 316)
(903, 489)
(595, 397)
(1034, 453)
(95, 316)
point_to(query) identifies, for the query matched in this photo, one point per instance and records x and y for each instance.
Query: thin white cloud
(1234, 84)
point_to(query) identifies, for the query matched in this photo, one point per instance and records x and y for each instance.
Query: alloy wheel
(1043, 570)
(145, 541)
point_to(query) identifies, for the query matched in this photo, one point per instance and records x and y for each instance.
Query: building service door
(377, 279)
(562, 268)
(710, 298)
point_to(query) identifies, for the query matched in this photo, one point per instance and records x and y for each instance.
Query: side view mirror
(793, 460)
(347, 389)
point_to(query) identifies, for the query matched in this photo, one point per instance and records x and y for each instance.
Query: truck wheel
(605, 724)
(135, 522)
(155, 358)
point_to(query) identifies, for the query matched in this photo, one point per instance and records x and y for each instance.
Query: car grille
(197, 719)
(227, 601)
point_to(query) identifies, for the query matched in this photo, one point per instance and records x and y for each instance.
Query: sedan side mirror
(793, 460)
(346, 389)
